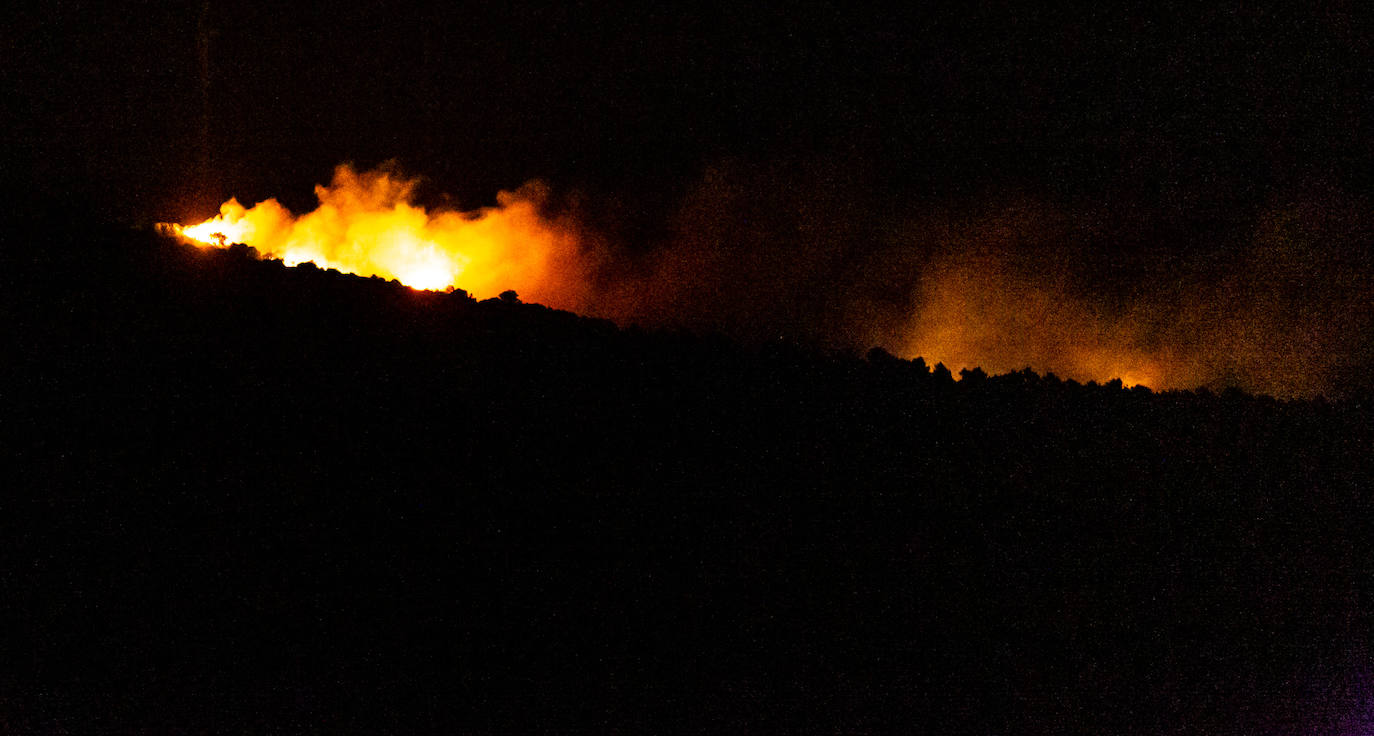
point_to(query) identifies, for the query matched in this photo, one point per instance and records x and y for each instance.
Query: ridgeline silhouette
(247, 497)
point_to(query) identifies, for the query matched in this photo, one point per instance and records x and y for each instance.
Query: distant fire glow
(977, 315)
(367, 224)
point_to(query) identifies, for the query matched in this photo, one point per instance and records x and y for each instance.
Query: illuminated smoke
(976, 315)
(1284, 310)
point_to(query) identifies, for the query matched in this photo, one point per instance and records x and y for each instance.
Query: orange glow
(367, 224)
(978, 314)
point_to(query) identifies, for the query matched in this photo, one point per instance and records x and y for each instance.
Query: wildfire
(367, 224)
(995, 291)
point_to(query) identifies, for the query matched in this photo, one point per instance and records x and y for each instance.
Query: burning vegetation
(369, 224)
(802, 256)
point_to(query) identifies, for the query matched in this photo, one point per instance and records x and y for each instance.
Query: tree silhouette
(942, 375)
(973, 377)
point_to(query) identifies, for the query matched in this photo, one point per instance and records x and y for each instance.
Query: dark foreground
(241, 497)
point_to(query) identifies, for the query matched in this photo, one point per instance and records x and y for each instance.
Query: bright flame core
(366, 224)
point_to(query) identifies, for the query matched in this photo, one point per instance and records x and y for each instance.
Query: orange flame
(367, 224)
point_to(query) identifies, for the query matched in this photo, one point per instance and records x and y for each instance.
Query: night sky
(1142, 155)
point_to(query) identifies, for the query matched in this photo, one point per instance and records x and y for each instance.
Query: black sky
(1211, 103)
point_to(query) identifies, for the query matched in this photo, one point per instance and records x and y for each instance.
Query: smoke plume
(1273, 299)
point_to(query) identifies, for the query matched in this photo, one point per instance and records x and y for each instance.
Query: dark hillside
(241, 497)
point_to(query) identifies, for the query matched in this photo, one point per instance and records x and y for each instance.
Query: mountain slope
(250, 497)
